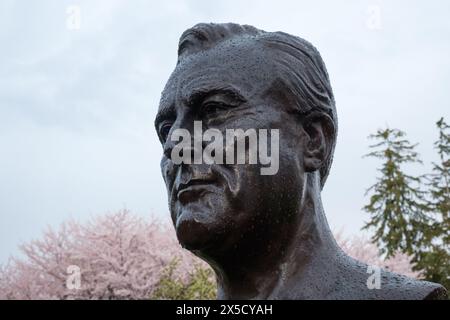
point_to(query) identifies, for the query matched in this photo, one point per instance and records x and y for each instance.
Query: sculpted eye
(164, 130)
(213, 107)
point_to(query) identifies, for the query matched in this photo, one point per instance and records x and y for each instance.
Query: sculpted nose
(168, 147)
(179, 152)
(184, 122)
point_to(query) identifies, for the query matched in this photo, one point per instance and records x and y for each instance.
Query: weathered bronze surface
(265, 236)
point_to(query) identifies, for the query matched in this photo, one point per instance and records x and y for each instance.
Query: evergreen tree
(397, 205)
(434, 255)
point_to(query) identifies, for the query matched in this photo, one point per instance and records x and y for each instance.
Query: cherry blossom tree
(362, 249)
(119, 256)
(123, 256)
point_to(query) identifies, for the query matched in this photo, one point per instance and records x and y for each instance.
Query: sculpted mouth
(192, 190)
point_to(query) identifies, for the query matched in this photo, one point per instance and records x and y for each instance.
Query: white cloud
(77, 107)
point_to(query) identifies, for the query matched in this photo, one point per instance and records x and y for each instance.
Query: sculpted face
(264, 234)
(215, 206)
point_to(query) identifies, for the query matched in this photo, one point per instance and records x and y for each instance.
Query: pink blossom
(122, 256)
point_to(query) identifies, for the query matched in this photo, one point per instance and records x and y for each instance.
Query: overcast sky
(77, 105)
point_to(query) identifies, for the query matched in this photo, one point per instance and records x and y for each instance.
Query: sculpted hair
(298, 63)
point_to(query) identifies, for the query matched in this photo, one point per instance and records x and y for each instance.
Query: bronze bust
(265, 235)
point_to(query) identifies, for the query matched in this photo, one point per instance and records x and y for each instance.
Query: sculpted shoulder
(393, 286)
(396, 286)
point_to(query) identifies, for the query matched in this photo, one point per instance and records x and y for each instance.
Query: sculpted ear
(320, 136)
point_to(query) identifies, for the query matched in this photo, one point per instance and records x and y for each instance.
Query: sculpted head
(248, 126)
(231, 76)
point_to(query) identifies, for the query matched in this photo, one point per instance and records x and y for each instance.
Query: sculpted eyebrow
(199, 95)
(163, 114)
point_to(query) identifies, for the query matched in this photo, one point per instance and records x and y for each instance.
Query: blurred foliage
(434, 256)
(410, 214)
(199, 286)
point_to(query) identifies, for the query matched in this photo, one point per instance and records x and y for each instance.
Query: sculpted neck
(270, 269)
